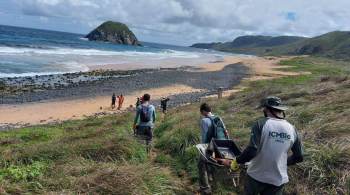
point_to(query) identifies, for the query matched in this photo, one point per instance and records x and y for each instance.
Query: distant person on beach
(145, 119)
(138, 102)
(271, 139)
(113, 101)
(120, 101)
(164, 104)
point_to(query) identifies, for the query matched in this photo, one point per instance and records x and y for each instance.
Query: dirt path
(261, 68)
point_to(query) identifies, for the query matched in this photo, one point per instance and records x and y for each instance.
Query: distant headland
(332, 45)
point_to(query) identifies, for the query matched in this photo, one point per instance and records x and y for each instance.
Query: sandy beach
(184, 88)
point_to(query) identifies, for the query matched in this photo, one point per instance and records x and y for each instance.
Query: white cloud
(188, 21)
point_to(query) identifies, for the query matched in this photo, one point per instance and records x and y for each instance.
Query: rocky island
(114, 32)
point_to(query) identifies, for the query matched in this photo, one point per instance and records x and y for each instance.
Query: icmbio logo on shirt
(283, 136)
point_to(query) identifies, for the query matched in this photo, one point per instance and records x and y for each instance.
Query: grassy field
(96, 155)
(99, 155)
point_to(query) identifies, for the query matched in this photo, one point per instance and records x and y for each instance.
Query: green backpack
(218, 130)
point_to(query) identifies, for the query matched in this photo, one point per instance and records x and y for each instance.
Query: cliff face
(113, 32)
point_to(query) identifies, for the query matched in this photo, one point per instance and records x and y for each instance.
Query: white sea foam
(71, 67)
(58, 60)
(28, 74)
(94, 52)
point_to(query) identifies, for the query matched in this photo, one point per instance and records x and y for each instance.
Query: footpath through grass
(92, 156)
(100, 156)
(319, 108)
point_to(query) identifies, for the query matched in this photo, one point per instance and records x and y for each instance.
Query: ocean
(29, 52)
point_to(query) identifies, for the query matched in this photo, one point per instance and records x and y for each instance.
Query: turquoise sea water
(27, 52)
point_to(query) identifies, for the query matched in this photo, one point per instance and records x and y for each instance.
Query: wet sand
(60, 110)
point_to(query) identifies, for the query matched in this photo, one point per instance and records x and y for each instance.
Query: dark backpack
(217, 130)
(145, 115)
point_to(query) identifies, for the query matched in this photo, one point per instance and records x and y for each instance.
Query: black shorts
(145, 131)
(253, 187)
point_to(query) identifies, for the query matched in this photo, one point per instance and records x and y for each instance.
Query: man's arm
(297, 150)
(204, 130)
(137, 116)
(154, 115)
(252, 148)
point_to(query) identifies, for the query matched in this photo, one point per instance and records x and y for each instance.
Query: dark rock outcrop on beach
(114, 32)
(92, 84)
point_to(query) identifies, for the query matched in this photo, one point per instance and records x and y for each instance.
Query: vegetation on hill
(114, 32)
(99, 155)
(319, 107)
(333, 45)
(251, 43)
(92, 156)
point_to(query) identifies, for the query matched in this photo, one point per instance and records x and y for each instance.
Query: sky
(183, 22)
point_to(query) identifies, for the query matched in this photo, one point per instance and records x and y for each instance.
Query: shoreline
(76, 101)
(183, 85)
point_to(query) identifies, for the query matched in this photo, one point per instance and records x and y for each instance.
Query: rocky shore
(99, 83)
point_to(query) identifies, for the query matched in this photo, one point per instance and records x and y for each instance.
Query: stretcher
(224, 149)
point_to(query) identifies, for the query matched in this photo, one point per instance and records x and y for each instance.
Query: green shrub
(26, 173)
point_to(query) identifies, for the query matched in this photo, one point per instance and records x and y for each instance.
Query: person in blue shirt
(203, 167)
(145, 119)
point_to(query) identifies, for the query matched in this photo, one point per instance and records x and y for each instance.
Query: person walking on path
(113, 101)
(144, 120)
(120, 101)
(164, 104)
(271, 139)
(208, 125)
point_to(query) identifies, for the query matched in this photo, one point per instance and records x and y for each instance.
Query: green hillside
(263, 41)
(333, 45)
(250, 44)
(114, 32)
(111, 26)
(100, 156)
(319, 108)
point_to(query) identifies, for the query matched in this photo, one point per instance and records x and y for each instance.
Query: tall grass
(319, 110)
(100, 156)
(92, 156)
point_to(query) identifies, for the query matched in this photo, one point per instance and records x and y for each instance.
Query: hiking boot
(205, 191)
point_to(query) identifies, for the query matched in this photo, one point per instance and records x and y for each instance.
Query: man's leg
(273, 190)
(253, 187)
(149, 137)
(203, 176)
